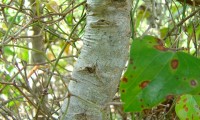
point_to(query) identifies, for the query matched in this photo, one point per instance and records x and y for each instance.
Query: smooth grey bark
(99, 67)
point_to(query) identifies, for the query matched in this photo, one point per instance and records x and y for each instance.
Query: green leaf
(155, 74)
(141, 15)
(163, 32)
(52, 6)
(187, 107)
(23, 54)
(8, 51)
(191, 30)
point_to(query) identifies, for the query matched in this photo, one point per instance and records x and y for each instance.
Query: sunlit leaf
(23, 54)
(67, 49)
(4, 27)
(163, 32)
(52, 6)
(188, 107)
(142, 14)
(8, 51)
(156, 73)
(192, 30)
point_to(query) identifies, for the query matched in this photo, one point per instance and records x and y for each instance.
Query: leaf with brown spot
(123, 91)
(193, 83)
(124, 79)
(131, 61)
(158, 73)
(187, 107)
(185, 100)
(134, 67)
(144, 84)
(159, 41)
(160, 47)
(174, 63)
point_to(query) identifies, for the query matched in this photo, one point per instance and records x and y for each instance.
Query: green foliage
(141, 15)
(156, 73)
(23, 55)
(8, 51)
(188, 107)
(52, 6)
(194, 30)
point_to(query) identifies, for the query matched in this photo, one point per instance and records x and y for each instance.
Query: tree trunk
(36, 58)
(99, 67)
(37, 42)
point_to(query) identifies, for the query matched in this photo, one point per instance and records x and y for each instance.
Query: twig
(180, 23)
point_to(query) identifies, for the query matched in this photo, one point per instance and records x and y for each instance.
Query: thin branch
(180, 23)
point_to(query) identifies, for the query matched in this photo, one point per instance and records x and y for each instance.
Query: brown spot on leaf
(193, 83)
(134, 67)
(144, 84)
(142, 106)
(159, 41)
(131, 61)
(123, 91)
(124, 79)
(185, 108)
(174, 63)
(185, 100)
(131, 76)
(178, 100)
(160, 47)
(141, 100)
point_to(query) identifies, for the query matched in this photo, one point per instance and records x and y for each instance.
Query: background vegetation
(31, 89)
